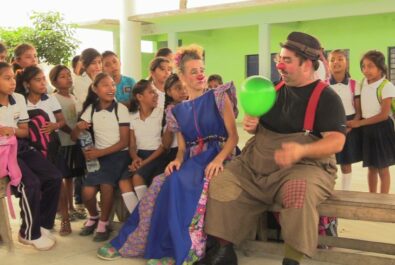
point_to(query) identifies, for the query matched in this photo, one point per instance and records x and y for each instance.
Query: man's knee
(224, 187)
(293, 193)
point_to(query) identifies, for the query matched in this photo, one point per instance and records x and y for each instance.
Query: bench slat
(338, 256)
(377, 200)
(357, 244)
(358, 213)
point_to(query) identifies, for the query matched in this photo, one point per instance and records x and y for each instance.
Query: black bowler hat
(303, 44)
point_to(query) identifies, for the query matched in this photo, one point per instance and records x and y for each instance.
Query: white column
(130, 35)
(172, 41)
(264, 50)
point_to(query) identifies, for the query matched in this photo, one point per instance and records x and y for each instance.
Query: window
(252, 63)
(391, 64)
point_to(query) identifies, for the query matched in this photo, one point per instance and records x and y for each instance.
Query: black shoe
(290, 262)
(88, 230)
(219, 255)
(102, 236)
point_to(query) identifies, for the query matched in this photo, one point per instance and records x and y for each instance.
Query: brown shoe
(65, 228)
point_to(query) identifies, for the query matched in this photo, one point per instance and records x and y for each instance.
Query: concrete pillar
(172, 41)
(264, 50)
(130, 36)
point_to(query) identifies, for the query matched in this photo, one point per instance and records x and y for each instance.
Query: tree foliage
(52, 37)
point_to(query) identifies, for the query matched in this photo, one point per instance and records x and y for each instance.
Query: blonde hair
(185, 54)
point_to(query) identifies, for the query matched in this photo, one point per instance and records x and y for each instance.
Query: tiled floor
(77, 250)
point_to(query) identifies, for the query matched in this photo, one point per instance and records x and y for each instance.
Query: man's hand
(250, 123)
(289, 154)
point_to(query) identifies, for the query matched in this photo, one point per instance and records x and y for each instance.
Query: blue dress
(169, 219)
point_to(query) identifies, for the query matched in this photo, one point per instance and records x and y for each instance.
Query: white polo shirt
(47, 103)
(161, 96)
(105, 123)
(147, 132)
(369, 103)
(343, 89)
(81, 84)
(15, 113)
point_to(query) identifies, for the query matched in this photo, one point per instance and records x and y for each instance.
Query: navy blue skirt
(352, 150)
(156, 166)
(378, 144)
(113, 168)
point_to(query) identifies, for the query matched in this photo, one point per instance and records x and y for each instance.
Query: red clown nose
(200, 77)
(280, 66)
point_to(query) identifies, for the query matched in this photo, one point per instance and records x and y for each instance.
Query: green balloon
(257, 95)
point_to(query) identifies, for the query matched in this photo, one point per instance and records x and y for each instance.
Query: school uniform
(349, 90)
(161, 96)
(40, 185)
(378, 140)
(72, 163)
(81, 88)
(105, 124)
(148, 135)
(50, 105)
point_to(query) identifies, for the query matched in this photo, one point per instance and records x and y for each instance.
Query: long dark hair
(4, 65)
(92, 98)
(170, 82)
(155, 63)
(25, 76)
(138, 88)
(378, 59)
(55, 71)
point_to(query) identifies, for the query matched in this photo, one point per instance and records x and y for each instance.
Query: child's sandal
(65, 228)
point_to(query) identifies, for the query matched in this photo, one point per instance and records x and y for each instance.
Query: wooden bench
(5, 227)
(351, 205)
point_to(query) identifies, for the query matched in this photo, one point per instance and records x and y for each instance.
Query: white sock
(346, 181)
(140, 191)
(130, 200)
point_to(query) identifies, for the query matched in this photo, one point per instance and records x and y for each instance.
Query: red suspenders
(309, 116)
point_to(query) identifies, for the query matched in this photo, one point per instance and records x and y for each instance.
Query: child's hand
(170, 167)
(83, 125)
(135, 164)
(353, 124)
(214, 168)
(92, 153)
(49, 127)
(7, 131)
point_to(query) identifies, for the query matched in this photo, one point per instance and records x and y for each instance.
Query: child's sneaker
(43, 243)
(47, 233)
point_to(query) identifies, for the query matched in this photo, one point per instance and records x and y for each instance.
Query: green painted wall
(226, 49)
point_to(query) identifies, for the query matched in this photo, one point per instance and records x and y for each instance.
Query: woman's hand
(136, 163)
(83, 125)
(92, 153)
(170, 167)
(7, 131)
(213, 168)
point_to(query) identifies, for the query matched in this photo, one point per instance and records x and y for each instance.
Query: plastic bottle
(86, 143)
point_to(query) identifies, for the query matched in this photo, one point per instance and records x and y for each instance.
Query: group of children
(132, 140)
(370, 125)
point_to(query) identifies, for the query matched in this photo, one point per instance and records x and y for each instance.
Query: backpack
(37, 139)
(379, 94)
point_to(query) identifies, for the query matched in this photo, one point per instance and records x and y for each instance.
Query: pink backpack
(9, 166)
